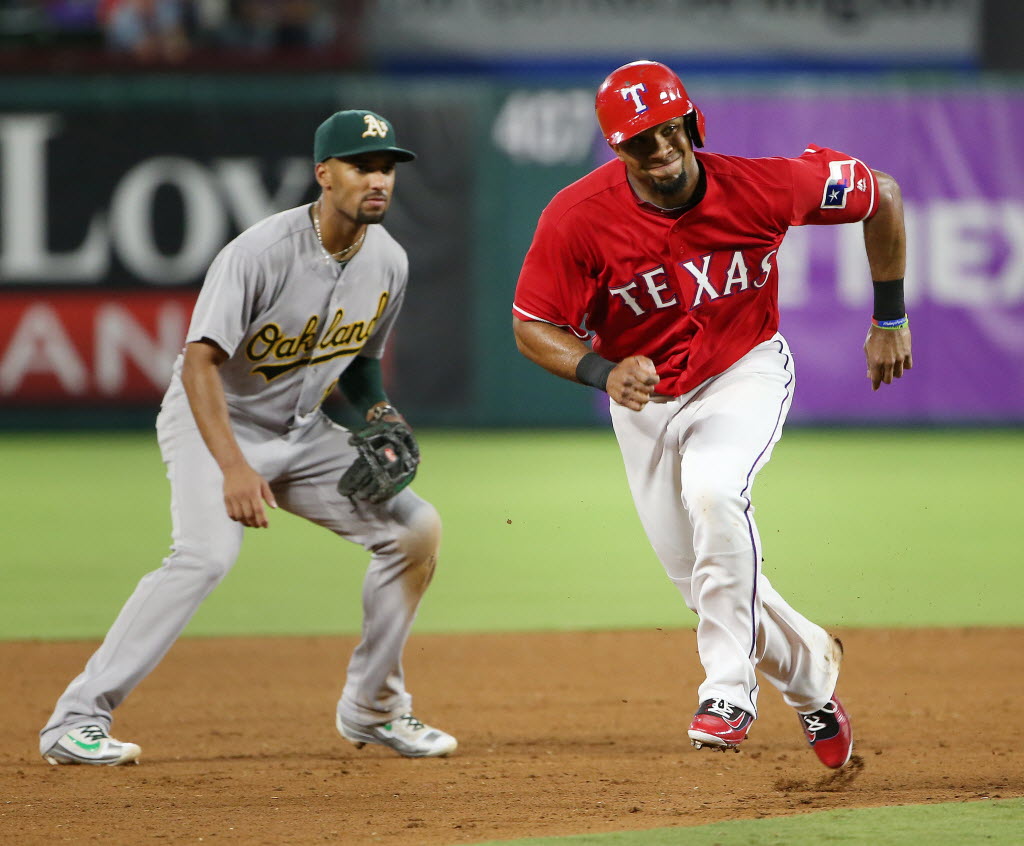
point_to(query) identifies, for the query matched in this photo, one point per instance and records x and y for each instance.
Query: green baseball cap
(356, 131)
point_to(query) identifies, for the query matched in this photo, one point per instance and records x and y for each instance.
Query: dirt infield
(559, 734)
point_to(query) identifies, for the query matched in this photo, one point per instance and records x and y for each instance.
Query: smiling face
(660, 163)
(359, 187)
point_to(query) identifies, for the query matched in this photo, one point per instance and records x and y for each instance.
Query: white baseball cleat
(91, 745)
(406, 735)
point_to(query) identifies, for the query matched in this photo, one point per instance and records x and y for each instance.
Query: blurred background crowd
(70, 34)
(41, 33)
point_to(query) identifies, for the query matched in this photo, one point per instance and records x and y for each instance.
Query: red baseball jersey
(693, 291)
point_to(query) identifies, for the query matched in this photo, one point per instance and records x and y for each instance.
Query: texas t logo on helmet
(633, 91)
(643, 94)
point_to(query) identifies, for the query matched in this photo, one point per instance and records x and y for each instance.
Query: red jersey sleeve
(831, 187)
(554, 284)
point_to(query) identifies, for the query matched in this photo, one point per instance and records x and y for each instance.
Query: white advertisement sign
(560, 31)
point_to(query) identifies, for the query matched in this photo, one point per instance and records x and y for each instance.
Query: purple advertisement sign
(957, 157)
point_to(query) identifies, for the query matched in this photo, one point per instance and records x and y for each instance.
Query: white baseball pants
(691, 463)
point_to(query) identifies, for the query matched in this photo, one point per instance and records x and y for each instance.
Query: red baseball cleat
(829, 732)
(719, 725)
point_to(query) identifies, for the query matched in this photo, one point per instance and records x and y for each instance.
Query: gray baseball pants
(302, 466)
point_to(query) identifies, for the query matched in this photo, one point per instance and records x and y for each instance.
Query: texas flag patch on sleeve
(839, 184)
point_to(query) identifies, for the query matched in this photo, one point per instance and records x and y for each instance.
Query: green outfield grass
(959, 824)
(860, 528)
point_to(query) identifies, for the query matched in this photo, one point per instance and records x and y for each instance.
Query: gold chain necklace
(341, 255)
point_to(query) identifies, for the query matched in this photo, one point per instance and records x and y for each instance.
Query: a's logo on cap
(633, 92)
(375, 128)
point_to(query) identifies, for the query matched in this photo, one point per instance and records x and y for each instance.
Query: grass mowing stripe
(949, 824)
(540, 533)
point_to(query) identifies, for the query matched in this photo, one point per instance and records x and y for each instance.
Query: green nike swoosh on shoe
(91, 745)
(88, 747)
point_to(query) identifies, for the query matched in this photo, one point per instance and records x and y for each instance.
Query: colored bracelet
(593, 370)
(899, 323)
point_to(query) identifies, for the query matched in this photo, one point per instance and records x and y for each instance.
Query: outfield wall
(115, 193)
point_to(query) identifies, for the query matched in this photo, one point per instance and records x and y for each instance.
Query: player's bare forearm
(887, 350)
(554, 349)
(630, 382)
(885, 236)
(244, 489)
(201, 377)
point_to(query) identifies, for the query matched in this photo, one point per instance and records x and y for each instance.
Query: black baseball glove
(387, 461)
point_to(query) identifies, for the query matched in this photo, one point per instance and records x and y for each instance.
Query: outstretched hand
(888, 355)
(632, 381)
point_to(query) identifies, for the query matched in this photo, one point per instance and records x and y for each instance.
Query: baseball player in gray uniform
(298, 303)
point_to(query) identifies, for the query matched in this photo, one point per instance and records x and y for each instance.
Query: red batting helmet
(643, 94)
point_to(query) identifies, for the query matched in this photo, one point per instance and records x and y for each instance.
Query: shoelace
(722, 708)
(412, 722)
(93, 732)
(813, 722)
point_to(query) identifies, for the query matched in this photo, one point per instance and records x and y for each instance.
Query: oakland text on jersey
(337, 339)
(702, 279)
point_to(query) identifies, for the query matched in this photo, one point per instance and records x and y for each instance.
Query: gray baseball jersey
(291, 320)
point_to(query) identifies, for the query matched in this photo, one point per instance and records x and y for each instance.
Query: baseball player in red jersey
(665, 260)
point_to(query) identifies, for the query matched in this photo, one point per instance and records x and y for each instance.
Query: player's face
(359, 187)
(660, 163)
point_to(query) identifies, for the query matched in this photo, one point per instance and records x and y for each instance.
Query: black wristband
(889, 304)
(593, 370)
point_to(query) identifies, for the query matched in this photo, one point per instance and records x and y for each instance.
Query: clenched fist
(632, 382)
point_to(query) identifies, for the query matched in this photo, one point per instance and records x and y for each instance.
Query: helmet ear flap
(694, 123)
